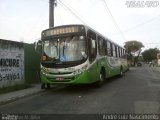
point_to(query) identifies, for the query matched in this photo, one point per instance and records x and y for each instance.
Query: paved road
(138, 91)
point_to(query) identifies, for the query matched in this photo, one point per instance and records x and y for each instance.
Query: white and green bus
(77, 54)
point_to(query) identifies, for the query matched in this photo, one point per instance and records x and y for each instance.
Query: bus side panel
(93, 72)
(102, 63)
(112, 67)
(124, 65)
(43, 79)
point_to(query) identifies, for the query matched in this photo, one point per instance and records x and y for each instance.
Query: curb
(157, 69)
(20, 96)
(26, 93)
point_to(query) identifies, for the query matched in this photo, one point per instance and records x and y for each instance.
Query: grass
(14, 88)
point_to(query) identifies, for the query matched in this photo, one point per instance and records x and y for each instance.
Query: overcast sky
(23, 20)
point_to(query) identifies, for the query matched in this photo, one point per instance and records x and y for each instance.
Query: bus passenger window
(93, 49)
(92, 45)
(117, 51)
(101, 46)
(114, 50)
(120, 52)
(109, 53)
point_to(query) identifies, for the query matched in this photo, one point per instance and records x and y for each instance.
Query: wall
(11, 63)
(32, 64)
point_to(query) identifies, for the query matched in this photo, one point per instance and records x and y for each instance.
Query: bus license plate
(59, 78)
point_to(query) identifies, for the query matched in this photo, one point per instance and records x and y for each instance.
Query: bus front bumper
(66, 79)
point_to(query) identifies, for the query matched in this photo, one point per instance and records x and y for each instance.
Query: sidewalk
(15, 95)
(155, 68)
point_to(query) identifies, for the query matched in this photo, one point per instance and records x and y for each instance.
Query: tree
(150, 54)
(133, 48)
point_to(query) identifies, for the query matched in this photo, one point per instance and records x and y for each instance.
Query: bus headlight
(78, 71)
(84, 67)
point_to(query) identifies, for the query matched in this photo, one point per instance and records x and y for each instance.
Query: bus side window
(101, 46)
(109, 53)
(124, 51)
(114, 50)
(92, 46)
(118, 52)
(121, 52)
(111, 49)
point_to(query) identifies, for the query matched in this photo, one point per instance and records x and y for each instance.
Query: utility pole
(52, 4)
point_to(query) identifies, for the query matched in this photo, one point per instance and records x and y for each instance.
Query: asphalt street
(138, 91)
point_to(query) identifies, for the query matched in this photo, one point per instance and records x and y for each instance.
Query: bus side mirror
(38, 47)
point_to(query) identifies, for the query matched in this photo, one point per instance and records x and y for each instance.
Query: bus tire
(42, 86)
(121, 72)
(128, 67)
(101, 80)
(48, 86)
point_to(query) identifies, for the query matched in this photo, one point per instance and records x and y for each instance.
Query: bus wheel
(121, 72)
(99, 83)
(43, 86)
(48, 86)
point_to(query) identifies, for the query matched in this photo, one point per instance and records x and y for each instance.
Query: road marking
(147, 107)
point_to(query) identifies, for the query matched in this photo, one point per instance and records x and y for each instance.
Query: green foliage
(133, 46)
(150, 54)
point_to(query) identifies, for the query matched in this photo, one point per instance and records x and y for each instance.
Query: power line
(67, 8)
(60, 17)
(114, 21)
(35, 26)
(77, 14)
(141, 24)
(71, 11)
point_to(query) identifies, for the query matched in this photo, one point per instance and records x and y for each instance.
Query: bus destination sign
(62, 30)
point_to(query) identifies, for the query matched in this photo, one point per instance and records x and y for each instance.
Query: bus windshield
(66, 49)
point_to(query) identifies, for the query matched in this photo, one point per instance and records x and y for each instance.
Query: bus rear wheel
(100, 82)
(48, 86)
(121, 72)
(42, 86)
